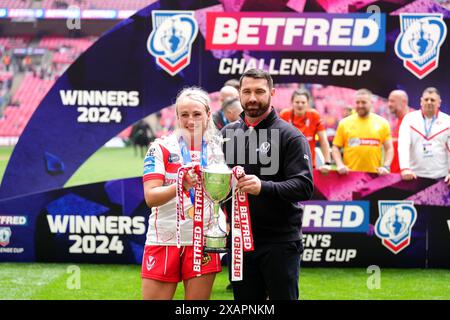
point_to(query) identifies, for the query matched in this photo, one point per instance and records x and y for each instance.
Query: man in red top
(398, 105)
(308, 121)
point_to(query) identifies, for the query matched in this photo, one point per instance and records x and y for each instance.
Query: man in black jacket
(278, 174)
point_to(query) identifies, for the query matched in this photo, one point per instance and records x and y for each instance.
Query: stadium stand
(82, 4)
(28, 96)
(426, 6)
(16, 4)
(29, 77)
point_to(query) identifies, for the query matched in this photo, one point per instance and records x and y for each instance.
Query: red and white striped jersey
(162, 161)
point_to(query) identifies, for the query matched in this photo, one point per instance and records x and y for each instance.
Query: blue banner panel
(96, 223)
(107, 223)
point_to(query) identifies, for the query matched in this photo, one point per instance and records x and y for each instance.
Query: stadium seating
(14, 42)
(79, 44)
(66, 50)
(82, 4)
(16, 4)
(423, 6)
(28, 96)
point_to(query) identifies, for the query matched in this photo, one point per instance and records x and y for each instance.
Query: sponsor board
(336, 216)
(171, 39)
(394, 224)
(420, 41)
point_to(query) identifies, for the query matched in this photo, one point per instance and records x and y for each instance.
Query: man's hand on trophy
(190, 180)
(249, 184)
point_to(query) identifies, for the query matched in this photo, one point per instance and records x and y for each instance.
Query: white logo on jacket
(264, 147)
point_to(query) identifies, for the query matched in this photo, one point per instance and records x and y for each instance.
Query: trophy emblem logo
(419, 42)
(395, 223)
(5, 236)
(171, 39)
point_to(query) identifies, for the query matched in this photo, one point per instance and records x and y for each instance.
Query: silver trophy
(216, 178)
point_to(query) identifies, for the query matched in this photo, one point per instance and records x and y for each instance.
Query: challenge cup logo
(419, 42)
(5, 235)
(395, 223)
(171, 39)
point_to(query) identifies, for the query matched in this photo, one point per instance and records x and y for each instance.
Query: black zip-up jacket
(284, 168)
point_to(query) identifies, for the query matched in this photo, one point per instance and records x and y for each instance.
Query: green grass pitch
(45, 281)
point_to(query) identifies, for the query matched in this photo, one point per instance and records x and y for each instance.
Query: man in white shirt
(424, 140)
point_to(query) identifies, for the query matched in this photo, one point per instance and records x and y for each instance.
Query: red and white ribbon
(182, 171)
(197, 236)
(241, 230)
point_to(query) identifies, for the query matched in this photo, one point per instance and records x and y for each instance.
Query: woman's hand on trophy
(190, 180)
(249, 184)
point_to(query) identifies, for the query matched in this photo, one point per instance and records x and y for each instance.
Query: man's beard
(254, 110)
(363, 113)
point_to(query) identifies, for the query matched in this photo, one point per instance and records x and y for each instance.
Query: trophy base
(215, 250)
(215, 244)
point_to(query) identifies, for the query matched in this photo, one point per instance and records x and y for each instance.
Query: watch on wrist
(388, 168)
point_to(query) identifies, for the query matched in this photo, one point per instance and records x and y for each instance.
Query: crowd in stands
(28, 69)
(82, 4)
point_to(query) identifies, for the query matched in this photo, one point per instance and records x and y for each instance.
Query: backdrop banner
(139, 66)
(380, 221)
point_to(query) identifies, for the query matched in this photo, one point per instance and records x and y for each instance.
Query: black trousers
(270, 271)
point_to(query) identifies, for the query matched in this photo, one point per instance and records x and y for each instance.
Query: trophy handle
(231, 196)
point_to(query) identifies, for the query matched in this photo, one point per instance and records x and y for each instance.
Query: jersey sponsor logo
(5, 236)
(171, 39)
(150, 263)
(150, 160)
(419, 42)
(394, 224)
(173, 157)
(295, 31)
(151, 152)
(336, 216)
(354, 142)
(149, 165)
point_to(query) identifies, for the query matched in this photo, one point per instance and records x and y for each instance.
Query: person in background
(362, 137)
(424, 140)
(348, 111)
(232, 109)
(140, 136)
(219, 117)
(398, 106)
(232, 83)
(309, 122)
